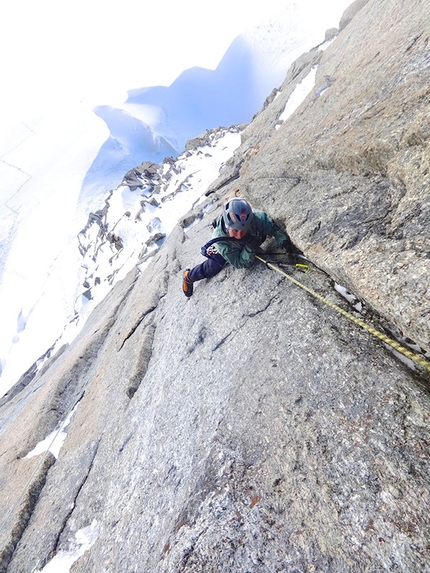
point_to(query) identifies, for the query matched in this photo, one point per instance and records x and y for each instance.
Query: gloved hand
(287, 245)
(254, 242)
(291, 258)
(293, 253)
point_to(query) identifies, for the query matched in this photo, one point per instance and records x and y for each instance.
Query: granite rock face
(252, 428)
(348, 173)
(246, 429)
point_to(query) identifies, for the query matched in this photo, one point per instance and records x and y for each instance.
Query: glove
(291, 258)
(287, 245)
(293, 253)
(254, 242)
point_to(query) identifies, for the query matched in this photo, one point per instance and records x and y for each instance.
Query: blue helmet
(237, 214)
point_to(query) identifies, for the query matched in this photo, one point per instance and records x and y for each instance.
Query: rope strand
(408, 353)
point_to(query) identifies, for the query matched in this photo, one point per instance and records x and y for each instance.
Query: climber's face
(236, 234)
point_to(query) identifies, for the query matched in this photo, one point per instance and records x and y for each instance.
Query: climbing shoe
(187, 285)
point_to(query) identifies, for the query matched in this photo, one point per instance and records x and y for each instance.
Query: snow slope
(128, 227)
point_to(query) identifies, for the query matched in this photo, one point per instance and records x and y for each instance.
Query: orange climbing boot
(187, 285)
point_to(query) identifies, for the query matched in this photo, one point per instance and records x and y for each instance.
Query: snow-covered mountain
(138, 215)
(199, 99)
(56, 170)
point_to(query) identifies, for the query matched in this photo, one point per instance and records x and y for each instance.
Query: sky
(57, 52)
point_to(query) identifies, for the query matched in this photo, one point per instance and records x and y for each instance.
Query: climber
(238, 233)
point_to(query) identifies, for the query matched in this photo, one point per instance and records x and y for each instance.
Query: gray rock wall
(252, 428)
(348, 173)
(247, 429)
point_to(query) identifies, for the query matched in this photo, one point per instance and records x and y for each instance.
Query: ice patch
(352, 299)
(298, 95)
(54, 441)
(324, 46)
(407, 361)
(84, 540)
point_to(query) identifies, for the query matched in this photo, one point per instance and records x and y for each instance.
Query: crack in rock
(221, 342)
(27, 508)
(54, 551)
(260, 310)
(144, 359)
(137, 324)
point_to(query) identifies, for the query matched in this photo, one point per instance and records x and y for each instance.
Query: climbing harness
(209, 249)
(418, 359)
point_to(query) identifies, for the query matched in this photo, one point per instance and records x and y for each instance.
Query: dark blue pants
(208, 269)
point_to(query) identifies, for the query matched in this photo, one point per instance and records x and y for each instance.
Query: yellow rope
(409, 354)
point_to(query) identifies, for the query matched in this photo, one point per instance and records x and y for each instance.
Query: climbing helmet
(237, 214)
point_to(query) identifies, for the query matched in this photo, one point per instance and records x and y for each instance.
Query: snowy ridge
(137, 217)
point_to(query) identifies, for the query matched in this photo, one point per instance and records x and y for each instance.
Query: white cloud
(55, 51)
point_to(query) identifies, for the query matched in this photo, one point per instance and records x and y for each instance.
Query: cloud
(56, 52)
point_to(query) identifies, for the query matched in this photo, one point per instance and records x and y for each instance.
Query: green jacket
(241, 252)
